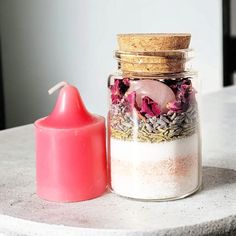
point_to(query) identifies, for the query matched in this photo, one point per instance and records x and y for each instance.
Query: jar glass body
(154, 144)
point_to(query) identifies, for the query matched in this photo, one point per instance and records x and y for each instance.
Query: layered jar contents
(154, 144)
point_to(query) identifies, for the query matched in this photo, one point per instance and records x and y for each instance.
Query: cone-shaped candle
(70, 150)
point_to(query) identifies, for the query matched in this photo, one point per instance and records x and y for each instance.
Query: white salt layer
(155, 170)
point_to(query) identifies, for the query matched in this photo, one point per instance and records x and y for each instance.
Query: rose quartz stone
(157, 91)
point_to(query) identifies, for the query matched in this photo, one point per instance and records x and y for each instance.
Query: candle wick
(57, 86)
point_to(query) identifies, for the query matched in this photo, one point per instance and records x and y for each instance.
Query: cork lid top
(153, 42)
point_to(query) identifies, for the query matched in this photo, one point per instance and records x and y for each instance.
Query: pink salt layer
(157, 171)
(158, 180)
(163, 169)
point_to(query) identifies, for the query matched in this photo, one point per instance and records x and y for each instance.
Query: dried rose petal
(150, 107)
(185, 94)
(175, 106)
(119, 89)
(126, 82)
(115, 87)
(131, 98)
(115, 98)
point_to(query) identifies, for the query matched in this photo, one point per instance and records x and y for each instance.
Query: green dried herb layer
(167, 127)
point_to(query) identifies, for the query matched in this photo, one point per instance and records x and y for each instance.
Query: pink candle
(70, 150)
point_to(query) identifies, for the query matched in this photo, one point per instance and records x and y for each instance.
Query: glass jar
(153, 125)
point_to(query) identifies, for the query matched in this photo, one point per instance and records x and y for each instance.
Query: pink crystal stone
(157, 91)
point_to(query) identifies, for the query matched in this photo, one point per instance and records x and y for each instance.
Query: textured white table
(209, 212)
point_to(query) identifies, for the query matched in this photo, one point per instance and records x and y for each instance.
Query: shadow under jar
(153, 123)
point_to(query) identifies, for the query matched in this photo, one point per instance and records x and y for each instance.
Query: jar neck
(154, 63)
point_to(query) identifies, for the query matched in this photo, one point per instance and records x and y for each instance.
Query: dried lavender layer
(166, 127)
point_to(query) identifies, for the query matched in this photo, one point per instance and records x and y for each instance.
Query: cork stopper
(153, 42)
(153, 53)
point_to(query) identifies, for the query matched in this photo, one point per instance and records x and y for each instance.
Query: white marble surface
(210, 211)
